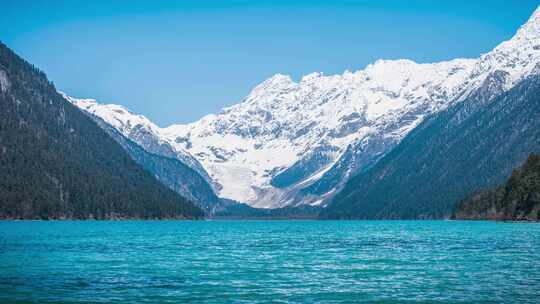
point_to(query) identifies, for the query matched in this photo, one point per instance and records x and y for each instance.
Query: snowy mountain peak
(531, 29)
(311, 77)
(516, 57)
(527, 38)
(116, 115)
(275, 82)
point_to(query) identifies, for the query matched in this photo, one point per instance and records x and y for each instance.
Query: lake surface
(269, 261)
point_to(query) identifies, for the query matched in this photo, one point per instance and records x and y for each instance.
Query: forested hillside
(517, 199)
(55, 162)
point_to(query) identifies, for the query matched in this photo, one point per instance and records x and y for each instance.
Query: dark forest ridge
(517, 200)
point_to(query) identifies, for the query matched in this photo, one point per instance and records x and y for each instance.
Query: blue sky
(175, 61)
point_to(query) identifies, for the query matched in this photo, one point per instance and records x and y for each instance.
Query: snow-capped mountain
(284, 134)
(290, 143)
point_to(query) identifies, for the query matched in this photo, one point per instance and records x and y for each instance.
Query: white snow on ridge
(115, 115)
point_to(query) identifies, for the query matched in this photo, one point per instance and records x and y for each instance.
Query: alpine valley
(398, 139)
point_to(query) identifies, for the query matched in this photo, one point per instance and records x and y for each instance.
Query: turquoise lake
(269, 262)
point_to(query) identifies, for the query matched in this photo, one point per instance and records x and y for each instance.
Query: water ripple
(269, 262)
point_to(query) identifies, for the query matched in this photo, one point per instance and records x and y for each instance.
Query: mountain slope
(57, 163)
(140, 138)
(517, 199)
(472, 145)
(137, 128)
(169, 171)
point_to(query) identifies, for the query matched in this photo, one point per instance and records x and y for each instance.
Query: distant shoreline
(257, 219)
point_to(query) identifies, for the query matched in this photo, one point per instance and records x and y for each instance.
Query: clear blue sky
(175, 61)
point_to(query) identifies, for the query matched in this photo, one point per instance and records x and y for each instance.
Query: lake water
(269, 261)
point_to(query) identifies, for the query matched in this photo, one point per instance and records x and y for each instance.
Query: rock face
(290, 143)
(56, 163)
(517, 200)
